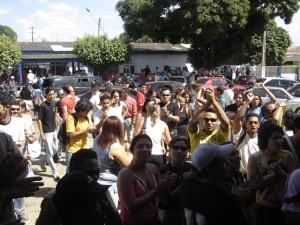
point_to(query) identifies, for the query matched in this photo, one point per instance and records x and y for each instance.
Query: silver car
(281, 95)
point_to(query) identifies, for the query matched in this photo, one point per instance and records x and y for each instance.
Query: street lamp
(95, 20)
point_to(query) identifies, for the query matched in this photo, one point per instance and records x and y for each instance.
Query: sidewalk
(33, 204)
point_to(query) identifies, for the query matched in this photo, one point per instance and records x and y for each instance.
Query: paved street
(33, 203)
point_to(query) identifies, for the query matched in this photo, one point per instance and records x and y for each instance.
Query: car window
(286, 83)
(217, 83)
(295, 91)
(261, 92)
(274, 83)
(201, 81)
(60, 82)
(178, 79)
(279, 94)
(83, 82)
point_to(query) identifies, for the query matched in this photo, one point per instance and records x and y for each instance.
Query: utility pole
(263, 56)
(31, 33)
(99, 22)
(99, 27)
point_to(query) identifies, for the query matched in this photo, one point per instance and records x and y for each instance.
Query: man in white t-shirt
(95, 99)
(229, 94)
(246, 140)
(30, 77)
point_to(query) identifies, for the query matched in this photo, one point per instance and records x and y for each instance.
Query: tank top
(155, 133)
(270, 195)
(109, 168)
(148, 215)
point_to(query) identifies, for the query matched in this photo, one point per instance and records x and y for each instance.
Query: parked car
(276, 82)
(246, 80)
(215, 82)
(81, 84)
(281, 95)
(182, 79)
(172, 85)
(294, 90)
(88, 94)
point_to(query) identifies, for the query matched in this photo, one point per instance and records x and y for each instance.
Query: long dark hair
(112, 128)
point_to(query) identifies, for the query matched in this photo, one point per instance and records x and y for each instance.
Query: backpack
(62, 132)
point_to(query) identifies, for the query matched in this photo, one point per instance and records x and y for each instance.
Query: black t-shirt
(187, 167)
(174, 111)
(47, 114)
(208, 204)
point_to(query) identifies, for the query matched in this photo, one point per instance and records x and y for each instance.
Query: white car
(275, 82)
(281, 95)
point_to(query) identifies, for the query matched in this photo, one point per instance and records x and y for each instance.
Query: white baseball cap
(204, 154)
(30, 71)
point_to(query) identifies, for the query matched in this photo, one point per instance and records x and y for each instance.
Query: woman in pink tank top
(140, 183)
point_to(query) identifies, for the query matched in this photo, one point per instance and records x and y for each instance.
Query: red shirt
(140, 100)
(69, 102)
(131, 105)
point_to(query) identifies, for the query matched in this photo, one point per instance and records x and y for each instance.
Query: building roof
(46, 46)
(159, 47)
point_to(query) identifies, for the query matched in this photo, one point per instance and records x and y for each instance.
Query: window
(217, 83)
(83, 82)
(279, 94)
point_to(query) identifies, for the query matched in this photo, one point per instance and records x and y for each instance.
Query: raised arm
(218, 108)
(269, 93)
(277, 115)
(192, 127)
(237, 122)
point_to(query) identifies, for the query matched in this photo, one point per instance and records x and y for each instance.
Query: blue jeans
(68, 158)
(51, 149)
(19, 206)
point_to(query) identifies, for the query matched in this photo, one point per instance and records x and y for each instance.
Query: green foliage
(277, 42)
(218, 30)
(6, 30)
(95, 51)
(9, 52)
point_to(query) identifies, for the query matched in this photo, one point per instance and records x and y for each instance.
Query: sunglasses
(210, 119)
(14, 109)
(182, 148)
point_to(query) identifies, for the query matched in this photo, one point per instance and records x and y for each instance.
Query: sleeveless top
(109, 168)
(272, 194)
(155, 133)
(145, 216)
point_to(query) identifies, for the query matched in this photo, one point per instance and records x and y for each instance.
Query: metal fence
(291, 72)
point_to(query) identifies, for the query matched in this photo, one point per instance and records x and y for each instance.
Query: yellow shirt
(80, 141)
(218, 136)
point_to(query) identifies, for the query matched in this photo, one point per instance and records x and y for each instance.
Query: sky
(67, 20)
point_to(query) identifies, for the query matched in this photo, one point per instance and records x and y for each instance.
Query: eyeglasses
(177, 147)
(14, 109)
(166, 95)
(210, 119)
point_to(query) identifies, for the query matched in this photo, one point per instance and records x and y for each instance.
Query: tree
(8, 32)
(10, 52)
(216, 29)
(278, 40)
(95, 51)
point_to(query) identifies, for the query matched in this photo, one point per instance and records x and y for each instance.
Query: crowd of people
(205, 156)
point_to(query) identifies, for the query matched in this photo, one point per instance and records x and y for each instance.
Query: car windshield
(201, 81)
(57, 83)
(179, 79)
